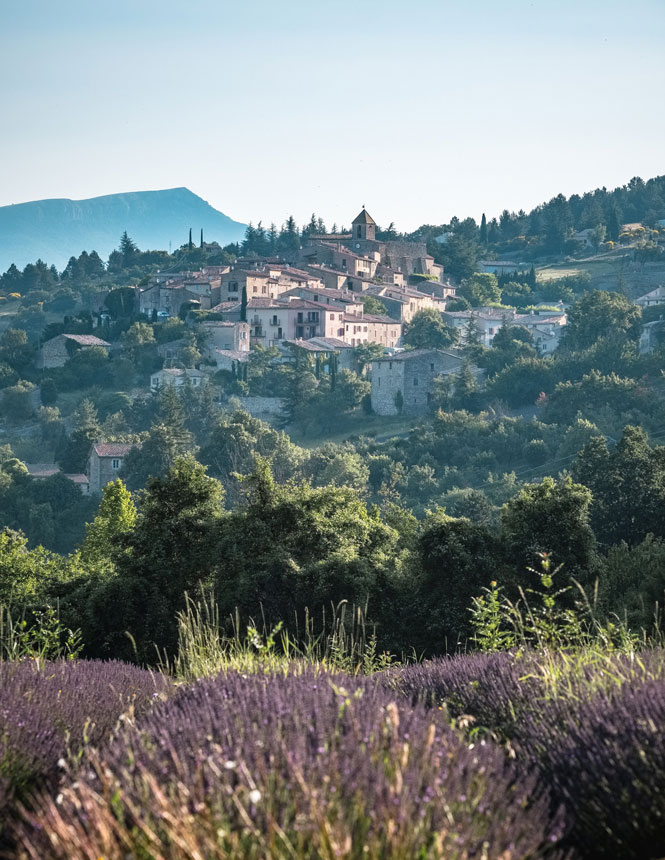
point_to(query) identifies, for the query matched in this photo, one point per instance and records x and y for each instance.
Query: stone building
(175, 376)
(104, 464)
(57, 351)
(225, 334)
(402, 383)
(384, 330)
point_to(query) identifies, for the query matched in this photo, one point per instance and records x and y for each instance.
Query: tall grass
(342, 643)
(41, 639)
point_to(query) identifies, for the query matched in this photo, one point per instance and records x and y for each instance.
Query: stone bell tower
(364, 226)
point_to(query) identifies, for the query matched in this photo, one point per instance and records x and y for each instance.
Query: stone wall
(265, 408)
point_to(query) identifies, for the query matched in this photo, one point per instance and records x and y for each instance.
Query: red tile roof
(112, 449)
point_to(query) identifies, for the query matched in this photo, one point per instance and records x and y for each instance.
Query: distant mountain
(56, 229)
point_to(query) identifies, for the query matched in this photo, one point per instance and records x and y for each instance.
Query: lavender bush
(297, 766)
(604, 758)
(590, 722)
(50, 711)
(488, 688)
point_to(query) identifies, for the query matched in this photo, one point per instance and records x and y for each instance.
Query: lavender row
(50, 712)
(313, 765)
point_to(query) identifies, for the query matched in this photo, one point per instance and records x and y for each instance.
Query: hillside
(56, 229)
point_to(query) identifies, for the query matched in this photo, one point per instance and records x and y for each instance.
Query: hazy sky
(420, 109)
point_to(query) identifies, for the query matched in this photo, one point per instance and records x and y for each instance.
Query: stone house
(175, 376)
(655, 297)
(487, 322)
(270, 281)
(229, 359)
(336, 255)
(168, 298)
(651, 336)
(356, 330)
(225, 334)
(402, 303)
(322, 349)
(41, 471)
(403, 382)
(325, 296)
(57, 351)
(546, 330)
(384, 330)
(104, 464)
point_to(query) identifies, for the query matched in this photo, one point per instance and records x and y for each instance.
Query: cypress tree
(483, 230)
(190, 244)
(613, 225)
(243, 305)
(201, 237)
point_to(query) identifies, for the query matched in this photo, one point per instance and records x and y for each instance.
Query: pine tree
(273, 236)
(128, 249)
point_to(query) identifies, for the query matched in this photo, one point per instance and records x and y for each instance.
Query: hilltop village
(344, 341)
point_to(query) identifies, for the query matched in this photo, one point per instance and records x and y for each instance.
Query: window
(415, 380)
(360, 232)
(431, 367)
(264, 289)
(115, 464)
(390, 365)
(233, 287)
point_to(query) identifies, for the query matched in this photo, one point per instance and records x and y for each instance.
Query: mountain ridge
(56, 228)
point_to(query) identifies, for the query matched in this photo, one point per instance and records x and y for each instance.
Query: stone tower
(364, 226)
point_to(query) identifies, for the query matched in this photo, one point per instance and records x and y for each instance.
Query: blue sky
(419, 109)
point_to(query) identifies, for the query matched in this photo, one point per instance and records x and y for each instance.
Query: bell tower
(364, 226)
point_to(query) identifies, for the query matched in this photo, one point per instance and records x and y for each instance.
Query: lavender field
(497, 756)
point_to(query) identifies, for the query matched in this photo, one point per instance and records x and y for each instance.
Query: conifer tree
(613, 225)
(243, 305)
(483, 230)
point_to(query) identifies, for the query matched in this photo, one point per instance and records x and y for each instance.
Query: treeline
(546, 230)
(88, 273)
(288, 549)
